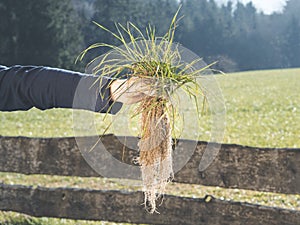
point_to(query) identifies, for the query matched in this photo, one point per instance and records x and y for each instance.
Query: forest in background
(54, 32)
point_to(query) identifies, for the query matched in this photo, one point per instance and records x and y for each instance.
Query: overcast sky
(267, 6)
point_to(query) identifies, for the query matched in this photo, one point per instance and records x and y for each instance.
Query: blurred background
(246, 35)
(262, 106)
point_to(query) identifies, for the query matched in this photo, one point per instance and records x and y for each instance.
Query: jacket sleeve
(24, 87)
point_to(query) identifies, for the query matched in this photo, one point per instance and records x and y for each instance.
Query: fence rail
(121, 206)
(260, 169)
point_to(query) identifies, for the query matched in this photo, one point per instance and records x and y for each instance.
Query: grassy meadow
(262, 110)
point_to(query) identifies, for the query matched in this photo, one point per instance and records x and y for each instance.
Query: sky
(267, 6)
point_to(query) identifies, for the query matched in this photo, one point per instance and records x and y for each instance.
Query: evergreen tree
(292, 43)
(43, 32)
(51, 32)
(158, 13)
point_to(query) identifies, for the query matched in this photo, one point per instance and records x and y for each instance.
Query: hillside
(262, 109)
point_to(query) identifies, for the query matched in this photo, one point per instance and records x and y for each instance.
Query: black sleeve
(24, 87)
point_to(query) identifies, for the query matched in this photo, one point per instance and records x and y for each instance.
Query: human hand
(131, 90)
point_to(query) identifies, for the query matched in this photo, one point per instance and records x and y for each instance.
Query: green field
(262, 109)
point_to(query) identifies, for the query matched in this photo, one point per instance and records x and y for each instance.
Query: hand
(132, 90)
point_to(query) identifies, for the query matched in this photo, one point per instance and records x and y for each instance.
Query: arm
(24, 87)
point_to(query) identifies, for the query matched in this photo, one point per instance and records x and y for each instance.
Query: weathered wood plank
(120, 206)
(265, 169)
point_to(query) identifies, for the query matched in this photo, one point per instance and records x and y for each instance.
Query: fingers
(134, 90)
(147, 86)
(134, 99)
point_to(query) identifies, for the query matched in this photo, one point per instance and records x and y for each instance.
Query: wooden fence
(271, 170)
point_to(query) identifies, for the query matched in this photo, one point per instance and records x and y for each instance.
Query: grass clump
(157, 59)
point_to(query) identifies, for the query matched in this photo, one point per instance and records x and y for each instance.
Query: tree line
(54, 32)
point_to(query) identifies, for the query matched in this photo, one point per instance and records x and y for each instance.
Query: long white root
(155, 151)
